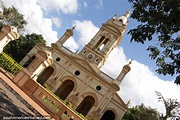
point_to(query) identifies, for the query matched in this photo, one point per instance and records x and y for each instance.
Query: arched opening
(104, 42)
(43, 77)
(64, 90)
(108, 115)
(29, 61)
(99, 42)
(86, 105)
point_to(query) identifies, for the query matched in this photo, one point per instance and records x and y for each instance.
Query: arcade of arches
(51, 64)
(65, 89)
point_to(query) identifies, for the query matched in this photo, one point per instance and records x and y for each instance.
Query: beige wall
(7, 34)
(90, 75)
(85, 84)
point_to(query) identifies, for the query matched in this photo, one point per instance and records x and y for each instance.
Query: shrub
(9, 64)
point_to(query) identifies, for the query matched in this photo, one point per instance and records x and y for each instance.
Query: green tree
(160, 23)
(141, 112)
(10, 16)
(17, 49)
(172, 107)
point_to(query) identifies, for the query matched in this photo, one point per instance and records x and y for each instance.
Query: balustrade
(44, 98)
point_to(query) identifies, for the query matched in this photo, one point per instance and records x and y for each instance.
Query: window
(84, 52)
(101, 43)
(77, 72)
(104, 42)
(90, 56)
(98, 87)
(58, 59)
(97, 59)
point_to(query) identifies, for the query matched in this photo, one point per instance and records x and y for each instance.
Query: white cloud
(57, 22)
(66, 6)
(140, 83)
(71, 44)
(99, 5)
(86, 30)
(118, 58)
(37, 23)
(85, 4)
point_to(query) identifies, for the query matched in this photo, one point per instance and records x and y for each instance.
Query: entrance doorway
(108, 115)
(86, 105)
(43, 77)
(64, 90)
(29, 61)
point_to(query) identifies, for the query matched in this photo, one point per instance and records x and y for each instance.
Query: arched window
(43, 77)
(29, 61)
(99, 42)
(86, 105)
(103, 43)
(108, 115)
(65, 89)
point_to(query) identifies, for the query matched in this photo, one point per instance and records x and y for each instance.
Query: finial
(73, 27)
(127, 104)
(114, 16)
(130, 61)
(70, 31)
(127, 14)
(123, 18)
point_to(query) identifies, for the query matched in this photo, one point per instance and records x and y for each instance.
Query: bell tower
(106, 39)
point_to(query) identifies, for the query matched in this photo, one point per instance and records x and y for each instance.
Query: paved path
(5, 78)
(10, 105)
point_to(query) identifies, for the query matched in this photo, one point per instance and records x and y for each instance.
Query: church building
(76, 76)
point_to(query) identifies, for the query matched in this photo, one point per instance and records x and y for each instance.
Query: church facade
(76, 77)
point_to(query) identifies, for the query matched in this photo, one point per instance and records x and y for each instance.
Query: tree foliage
(160, 23)
(17, 49)
(172, 107)
(10, 16)
(141, 112)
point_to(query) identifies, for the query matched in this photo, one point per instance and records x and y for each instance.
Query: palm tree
(172, 107)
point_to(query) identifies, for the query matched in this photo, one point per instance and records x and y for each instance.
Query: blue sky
(52, 17)
(98, 11)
